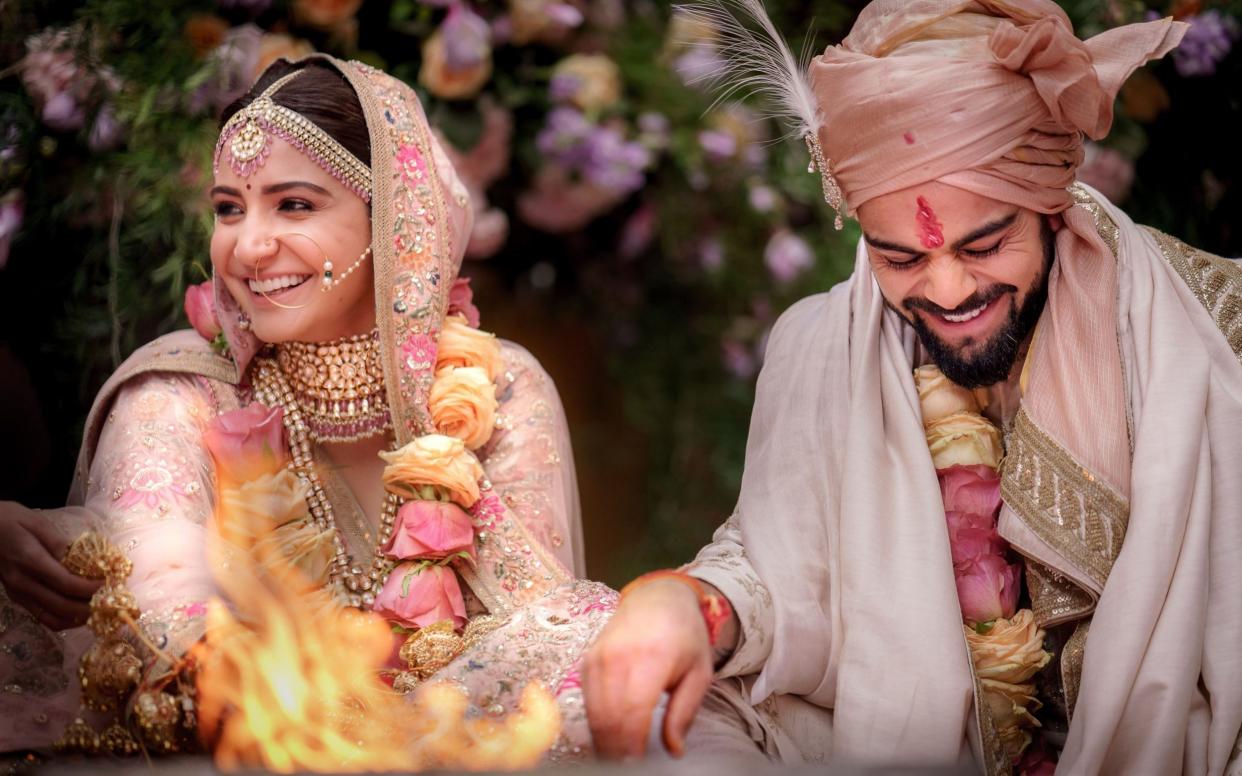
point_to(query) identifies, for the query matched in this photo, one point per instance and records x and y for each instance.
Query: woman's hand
(656, 642)
(31, 571)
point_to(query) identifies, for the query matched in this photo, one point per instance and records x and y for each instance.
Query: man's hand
(656, 642)
(32, 574)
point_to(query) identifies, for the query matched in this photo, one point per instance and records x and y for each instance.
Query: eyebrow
(986, 230)
(275, 188)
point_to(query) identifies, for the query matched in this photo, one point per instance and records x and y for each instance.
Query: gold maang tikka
(247, 138)
(832, 190)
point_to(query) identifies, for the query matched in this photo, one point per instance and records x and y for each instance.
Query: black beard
(991, 362)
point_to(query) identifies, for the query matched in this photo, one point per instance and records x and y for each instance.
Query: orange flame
(289, 681)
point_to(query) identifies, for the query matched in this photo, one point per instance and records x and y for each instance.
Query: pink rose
(200, 308)
(430, 530)
(970, 489)
(461, 302)
(247, 443)
(417, 596)
(972, 536)
(987, 588)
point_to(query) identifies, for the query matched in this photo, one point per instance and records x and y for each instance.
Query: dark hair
(322, 95)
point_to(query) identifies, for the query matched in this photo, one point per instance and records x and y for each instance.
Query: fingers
(53, 610)
(39, 557)
(621, 688)
(684, 701)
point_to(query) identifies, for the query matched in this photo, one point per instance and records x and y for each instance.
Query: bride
(340, 227)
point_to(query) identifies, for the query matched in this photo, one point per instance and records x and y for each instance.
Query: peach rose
(1011, 651)
(939, 396)
(460, 345)
(255, 508)
(595, 78)
(325, 14)
(417, 595)
(247, 443)
(1010, 707)
(445, 82)
(434, 461)
(204, 32)
(300, 546)
(966, 439)
(463, 405)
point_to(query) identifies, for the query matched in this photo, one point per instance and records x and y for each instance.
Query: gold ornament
(92, 556)
(405, 682)
(109, 671)
(118, 741)
(78, 738)
(833, 194)
(339, 386)
(430, 649)
(157, 714)
(111, 608)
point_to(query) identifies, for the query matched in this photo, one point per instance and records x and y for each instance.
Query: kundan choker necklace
(339, 386)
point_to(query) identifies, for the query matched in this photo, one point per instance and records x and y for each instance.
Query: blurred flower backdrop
(639, 235)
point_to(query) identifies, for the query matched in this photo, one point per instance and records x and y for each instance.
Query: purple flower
(563, 14)
(763, 198)
(252, 7)
(63, 113)
(711, 254)
(563, 87)
(638, 232)
(1206, 43)
(12, 208)
(600, 154)
(654, 130)
(467, 39)
(738, 359)
(106, 133)
(717, 145)
(787, 256)
(232, 63)
(701, 63)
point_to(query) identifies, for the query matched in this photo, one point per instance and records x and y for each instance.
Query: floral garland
(1006, 645)
(438, 477)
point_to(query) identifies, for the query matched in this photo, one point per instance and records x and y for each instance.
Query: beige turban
(991, 96)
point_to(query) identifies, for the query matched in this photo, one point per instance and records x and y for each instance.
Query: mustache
(973, 302)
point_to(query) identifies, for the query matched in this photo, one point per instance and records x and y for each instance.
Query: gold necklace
(350, 583)
(339, 386)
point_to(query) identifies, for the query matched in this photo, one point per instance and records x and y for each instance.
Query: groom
(823, 621)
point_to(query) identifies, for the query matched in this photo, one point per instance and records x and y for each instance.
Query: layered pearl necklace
(349, 582)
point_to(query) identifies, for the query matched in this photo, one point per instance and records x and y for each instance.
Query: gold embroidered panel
(1105, 226)
(1054, 599)
(1067, 506)
(1215, 282)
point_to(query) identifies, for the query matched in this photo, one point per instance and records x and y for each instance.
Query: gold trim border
(1215, 282)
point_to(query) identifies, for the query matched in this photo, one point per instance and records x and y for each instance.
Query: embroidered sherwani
(837, 563)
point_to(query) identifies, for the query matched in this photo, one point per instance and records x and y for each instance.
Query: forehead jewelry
(247, 141)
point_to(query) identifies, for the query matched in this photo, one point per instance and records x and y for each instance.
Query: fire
(288, 681)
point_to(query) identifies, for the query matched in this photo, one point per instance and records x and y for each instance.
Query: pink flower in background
(106, 132)
(54, 79)
(232, 64)
(638, 232)
(717, 144)
(738, 359)
(1107, 171)
(247, 443)
(430, 530)
(12, 210)
(63, 112)
(987, 588)
(974, 489)
(787, 256)
(557, 204)
(417, 597)
(200, 308)
(461, 302)
(711, 254)
(763, 198)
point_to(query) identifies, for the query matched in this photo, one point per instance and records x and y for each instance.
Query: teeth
(965, 316)
(275, 284)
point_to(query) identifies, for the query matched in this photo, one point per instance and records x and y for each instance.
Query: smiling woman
(390, 419)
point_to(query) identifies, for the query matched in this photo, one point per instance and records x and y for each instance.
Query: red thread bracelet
(714, 607)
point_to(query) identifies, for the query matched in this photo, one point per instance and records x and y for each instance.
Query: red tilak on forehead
(930, 230)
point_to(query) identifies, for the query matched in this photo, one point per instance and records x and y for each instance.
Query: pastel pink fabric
(991, 96)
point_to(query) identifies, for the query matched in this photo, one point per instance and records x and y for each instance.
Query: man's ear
(1055, 222)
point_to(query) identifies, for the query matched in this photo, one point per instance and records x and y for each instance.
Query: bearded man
(829, 618)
